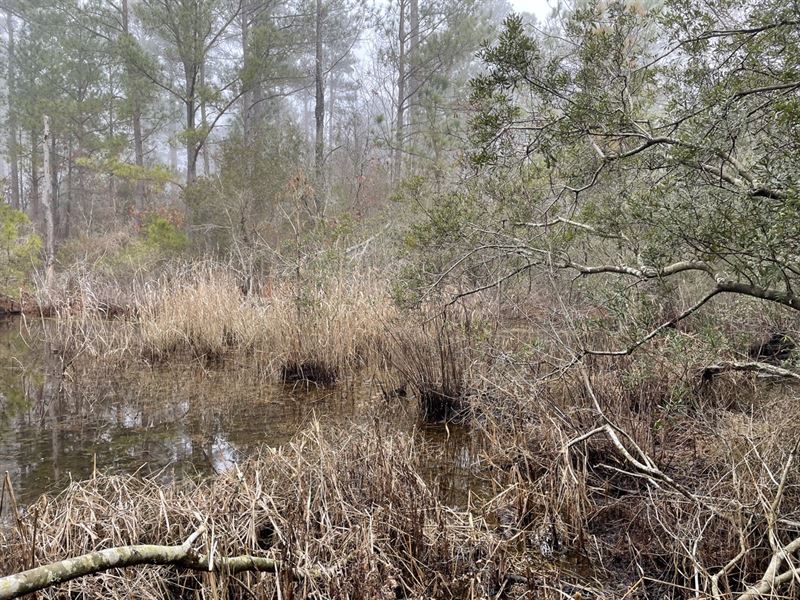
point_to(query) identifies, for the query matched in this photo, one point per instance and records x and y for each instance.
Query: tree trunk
(69, 183)
(401, 97)
(191, 144)
(60, 213)
(13, 155)
(34, 200)
(136, 117)
(112, 180)
(203, 121)
(247, 96)
(413, 71)
(191, 71)
(49, 226)
(319, 117)
(333, 83)
(173, 157)
(138, 152)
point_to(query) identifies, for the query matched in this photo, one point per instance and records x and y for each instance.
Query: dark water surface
(173, 420)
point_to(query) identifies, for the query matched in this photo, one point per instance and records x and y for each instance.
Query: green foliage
(645, 159)
(130, 252)
(157, 176)
(159, 240)
(20, 249)
(242, 207)
(445, 213)
(164, 237)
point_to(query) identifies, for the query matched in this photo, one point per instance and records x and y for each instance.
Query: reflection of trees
(14, 384)
(179, 421)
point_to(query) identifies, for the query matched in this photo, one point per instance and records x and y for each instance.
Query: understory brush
(647, 474)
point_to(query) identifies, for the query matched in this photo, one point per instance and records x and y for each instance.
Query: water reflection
(173, 422)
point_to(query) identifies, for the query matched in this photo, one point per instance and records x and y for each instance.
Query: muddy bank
(26, 304)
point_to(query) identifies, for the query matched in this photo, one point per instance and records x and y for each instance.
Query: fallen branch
(14, 586)
(644, 466)
(781, 556)
(758, 367)
(773, 577)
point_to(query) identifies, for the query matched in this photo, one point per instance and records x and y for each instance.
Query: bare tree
(48, 202)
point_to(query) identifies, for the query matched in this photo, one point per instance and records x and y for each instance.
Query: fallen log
(708, 373)
(39, 578)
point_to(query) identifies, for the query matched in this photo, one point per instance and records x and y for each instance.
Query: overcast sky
(537, 7)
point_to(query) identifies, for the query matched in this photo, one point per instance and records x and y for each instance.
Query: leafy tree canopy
(20, 249)
(655, 142)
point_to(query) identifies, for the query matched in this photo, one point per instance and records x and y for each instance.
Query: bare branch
(667, 324)
(586, 227)
(641, 271)
(14, 586)
(747, 289)
(751, 366)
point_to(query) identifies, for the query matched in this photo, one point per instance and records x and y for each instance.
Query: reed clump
(434, 361)
(311, 332)
(201, 313)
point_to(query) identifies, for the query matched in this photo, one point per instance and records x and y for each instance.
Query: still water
(171, 421)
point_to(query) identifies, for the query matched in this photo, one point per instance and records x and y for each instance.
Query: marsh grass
(722, 442)
(434, 360)
(353, 507)
(316, 334)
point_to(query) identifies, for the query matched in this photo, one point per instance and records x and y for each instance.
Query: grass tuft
(433, 360)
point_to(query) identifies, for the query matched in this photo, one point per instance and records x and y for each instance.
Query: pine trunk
(13, 154)
(47, 201)
(401, 97)
(319, 117)
(136, 118)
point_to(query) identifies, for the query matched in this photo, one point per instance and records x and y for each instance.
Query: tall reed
(316, 332)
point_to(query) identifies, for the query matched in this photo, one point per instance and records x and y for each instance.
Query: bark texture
(14, 586)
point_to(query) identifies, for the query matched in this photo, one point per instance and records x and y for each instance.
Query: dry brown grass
(724, 445)
(352, 505)
(358, 502)
(316, 333)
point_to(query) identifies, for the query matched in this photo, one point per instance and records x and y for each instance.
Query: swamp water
(175, 420)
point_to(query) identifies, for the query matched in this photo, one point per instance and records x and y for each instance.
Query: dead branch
(570, 222)
(654, 332)
(14, 586)
(757, 367)
(644, 466)
(779, 572)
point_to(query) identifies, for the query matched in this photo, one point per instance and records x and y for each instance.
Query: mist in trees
(574, 238)
(191, 106)
(612, 139)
